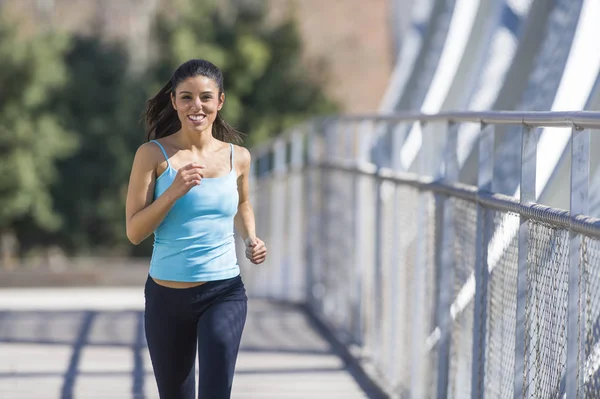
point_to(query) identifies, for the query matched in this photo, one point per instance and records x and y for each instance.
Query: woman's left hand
(256, 251)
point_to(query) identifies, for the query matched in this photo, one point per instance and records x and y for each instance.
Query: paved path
(89, 343)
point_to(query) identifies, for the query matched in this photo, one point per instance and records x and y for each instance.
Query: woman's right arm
(142, 214)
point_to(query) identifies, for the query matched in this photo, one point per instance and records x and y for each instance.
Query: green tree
(32, 138)
(102, 103)
(267, 87)
(267, 91)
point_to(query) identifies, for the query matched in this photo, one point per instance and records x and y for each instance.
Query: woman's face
(197, 101)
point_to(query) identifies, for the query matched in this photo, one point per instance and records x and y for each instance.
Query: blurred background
(76, 74)
(74, 79)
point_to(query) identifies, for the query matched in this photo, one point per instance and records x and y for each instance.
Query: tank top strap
(232, 159)
(163, 150)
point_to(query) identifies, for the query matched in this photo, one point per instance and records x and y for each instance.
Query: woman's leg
(219, 334)
(171, 341)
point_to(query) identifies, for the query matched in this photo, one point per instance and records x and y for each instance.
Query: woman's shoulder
(242, 155)
(150, 152)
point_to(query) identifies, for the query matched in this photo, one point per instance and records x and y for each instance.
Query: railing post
(328, 219)
(398, 270)
(349, 153)
(277, 248)
(446, 280)
(377, 276)
(312, 213)
(395, 285)
(419, 327)
(296, 224)
(527, 194)
(253, 181)
(264, 173)
(485, 229)
(322, 219)
(361, 236)
(576, 321)
(341, 260)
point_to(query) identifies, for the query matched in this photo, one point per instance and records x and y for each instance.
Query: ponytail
(160, 117)
(221, 130)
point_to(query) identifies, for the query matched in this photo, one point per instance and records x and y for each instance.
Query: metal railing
(439, 289)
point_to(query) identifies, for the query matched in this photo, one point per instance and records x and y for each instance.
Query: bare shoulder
(242, 158)
(148, 154)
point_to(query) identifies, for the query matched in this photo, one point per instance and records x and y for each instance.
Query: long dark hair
(161, 118)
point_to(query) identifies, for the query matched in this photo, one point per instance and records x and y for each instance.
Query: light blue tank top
(195, 241)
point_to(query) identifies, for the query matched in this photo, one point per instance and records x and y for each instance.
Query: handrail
(583, 119)
(580, 119)
(582, 224)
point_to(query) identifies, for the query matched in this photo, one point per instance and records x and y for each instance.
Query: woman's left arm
(244, 221)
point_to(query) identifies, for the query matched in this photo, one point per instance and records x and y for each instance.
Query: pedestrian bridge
(458, 275)
(420, 282)
(89, 343)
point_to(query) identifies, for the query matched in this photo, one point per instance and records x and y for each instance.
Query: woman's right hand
(187, 177)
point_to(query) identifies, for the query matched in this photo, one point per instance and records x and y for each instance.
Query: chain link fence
(438, 288)
(499, 350)
(546, 310)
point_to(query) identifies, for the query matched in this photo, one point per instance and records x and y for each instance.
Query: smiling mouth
(197, 118)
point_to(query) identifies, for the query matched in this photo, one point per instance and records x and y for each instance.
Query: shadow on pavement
(270, 328)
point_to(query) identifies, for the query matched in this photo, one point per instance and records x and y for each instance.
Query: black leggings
(208, 319)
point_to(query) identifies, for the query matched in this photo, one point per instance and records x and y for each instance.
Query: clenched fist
(256, 251)
(187, 177)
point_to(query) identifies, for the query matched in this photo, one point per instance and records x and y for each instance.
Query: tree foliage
(70, 114)
(267, 88)
(32, 136)
(102, 103)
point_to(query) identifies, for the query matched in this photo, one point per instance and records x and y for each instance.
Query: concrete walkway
(89, 343)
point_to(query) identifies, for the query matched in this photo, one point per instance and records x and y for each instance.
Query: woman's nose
(198, 104)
